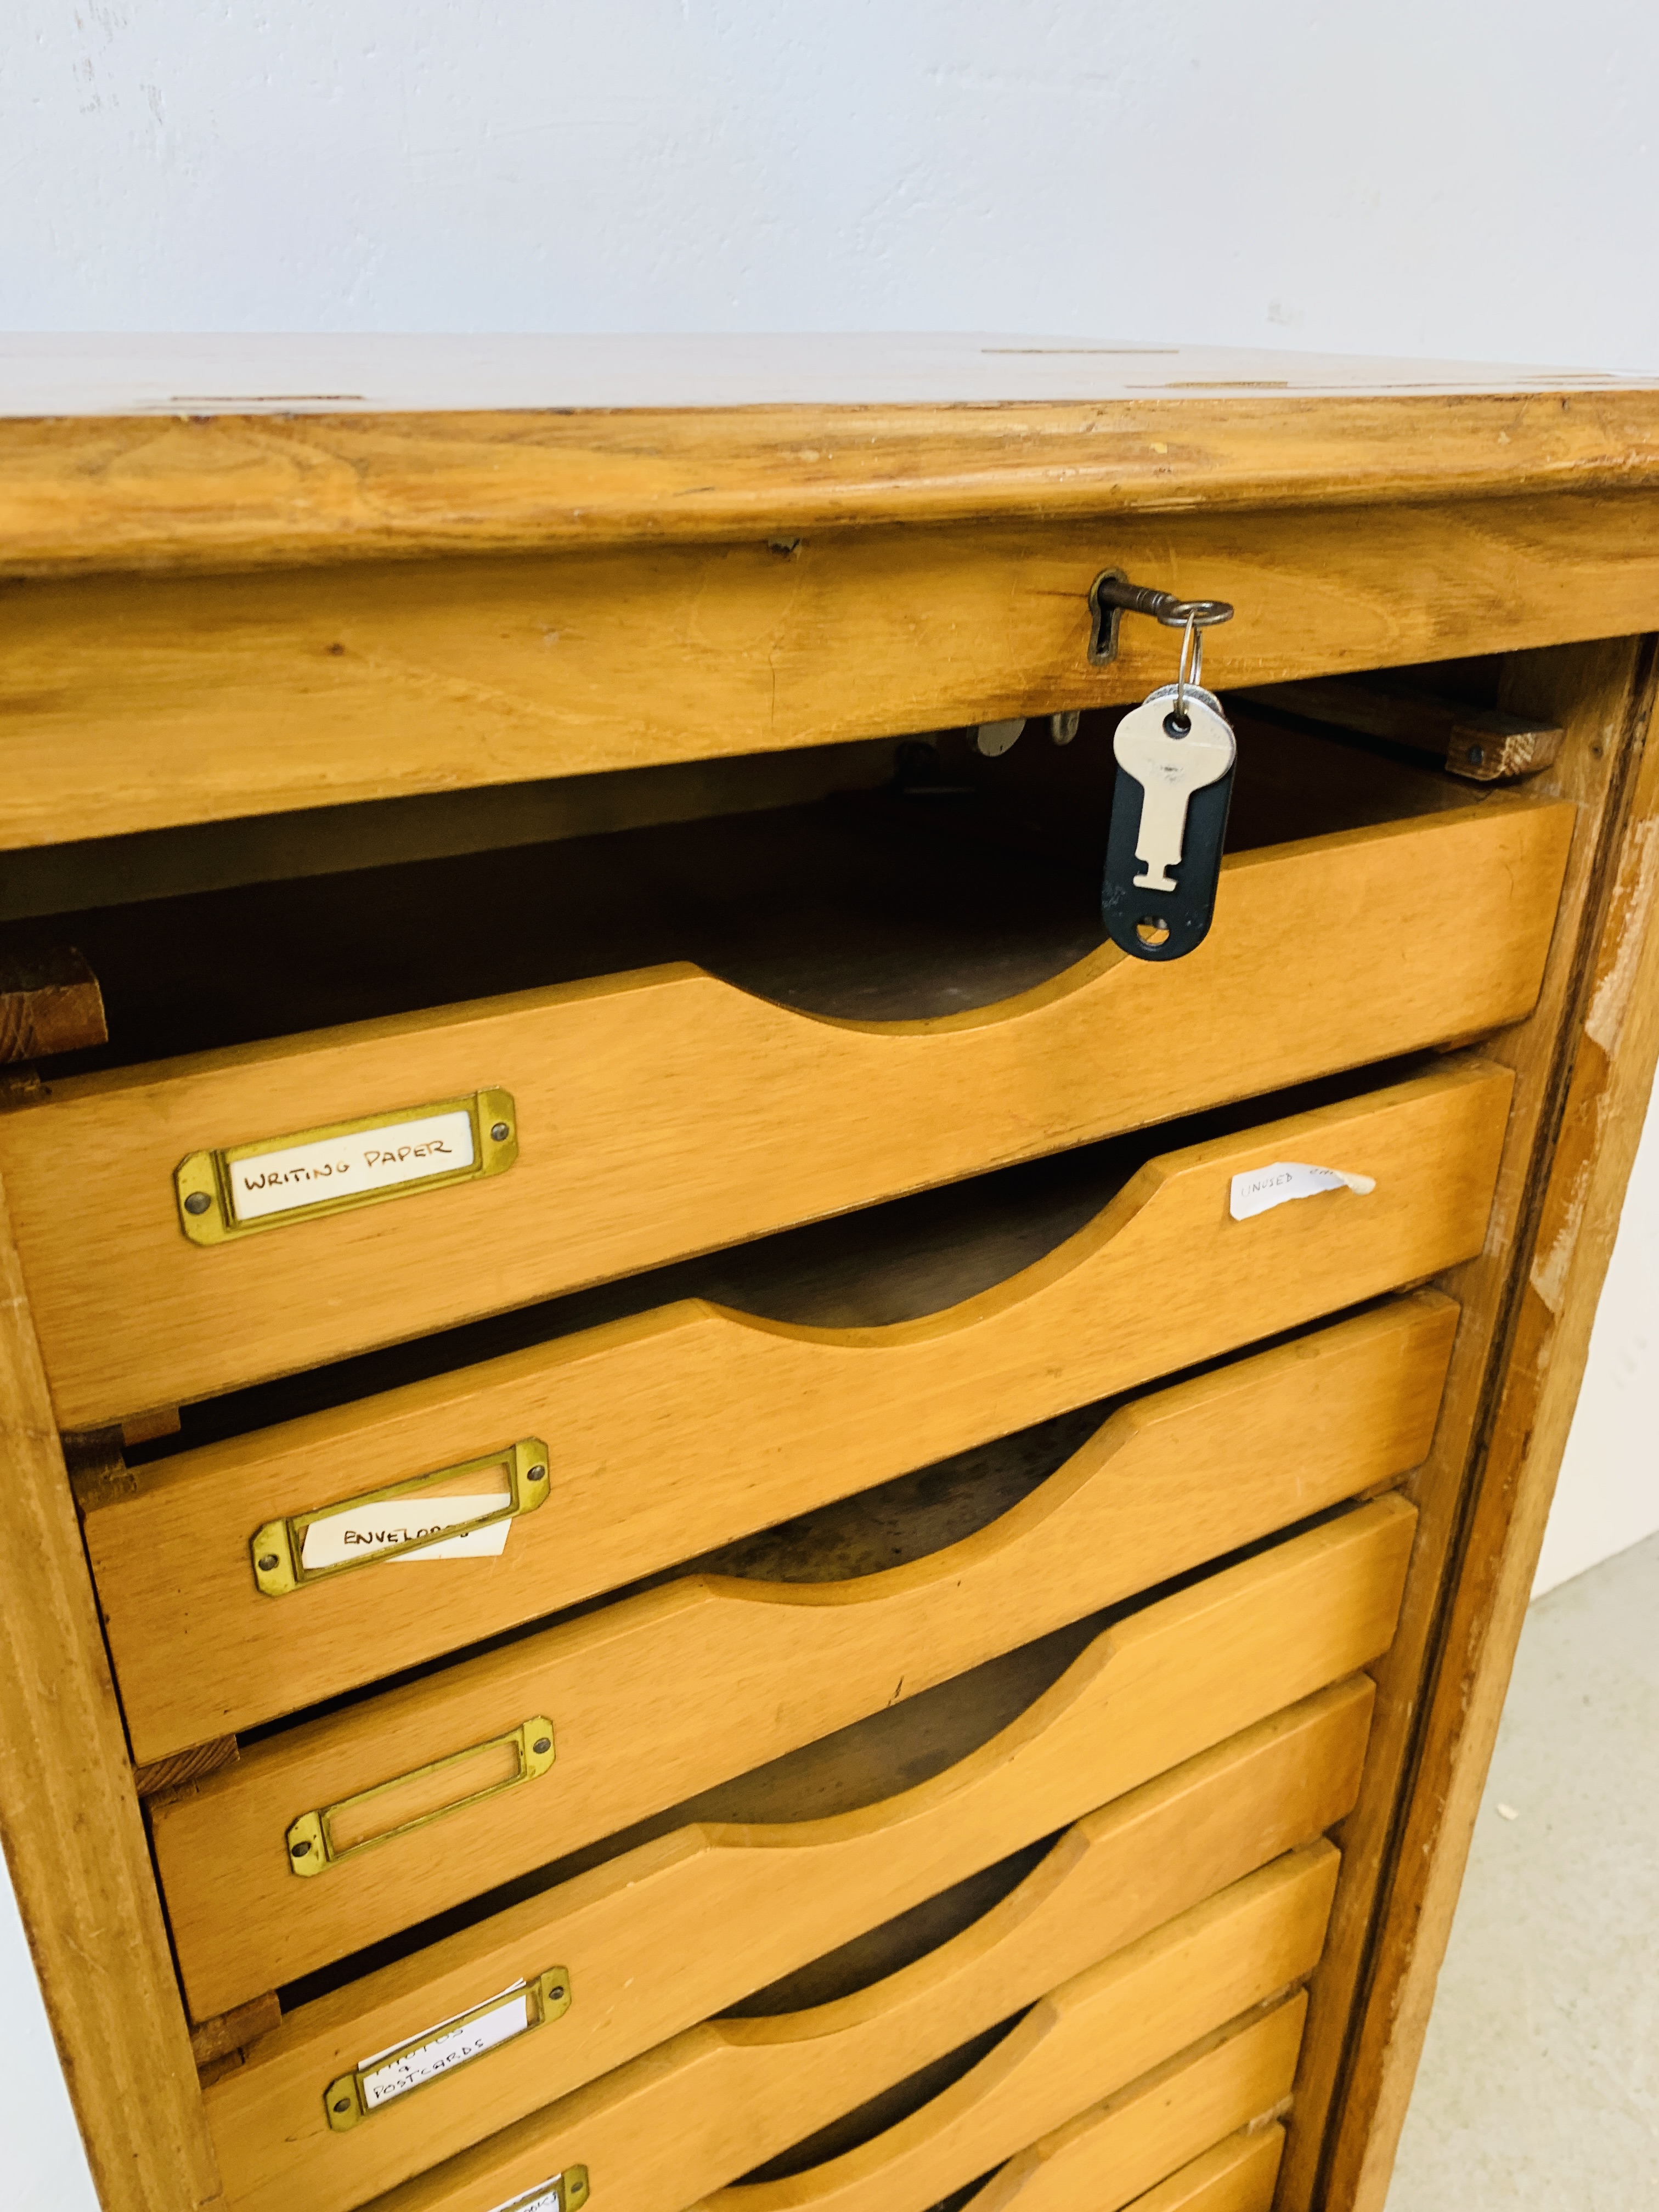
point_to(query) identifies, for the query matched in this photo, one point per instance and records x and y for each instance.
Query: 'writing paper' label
(344, 1167)
(394, 2074)
(1260, 1189)
(362, 1532)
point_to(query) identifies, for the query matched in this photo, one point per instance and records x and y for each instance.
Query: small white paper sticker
(447, 2047)
(344, 1167)
(1260, 1189)
(362, 1532)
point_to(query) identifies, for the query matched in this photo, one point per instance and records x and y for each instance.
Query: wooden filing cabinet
(670, 1543)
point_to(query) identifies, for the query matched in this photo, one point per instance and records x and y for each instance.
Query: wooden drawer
(1102, 2159)
(666, 2130)
(1327, 953)
(640, 1977)
(636, 1413)
(243, 1922)
(672, 1691)
(1166, 1482)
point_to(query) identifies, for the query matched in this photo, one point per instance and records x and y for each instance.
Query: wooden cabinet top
(158, 453)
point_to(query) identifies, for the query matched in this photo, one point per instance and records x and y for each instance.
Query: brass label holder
(221, 1197)
(277, 1549)
(314, 1846)
(560, 2192)
(440, 2052)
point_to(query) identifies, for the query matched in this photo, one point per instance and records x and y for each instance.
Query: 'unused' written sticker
(1260, 1189)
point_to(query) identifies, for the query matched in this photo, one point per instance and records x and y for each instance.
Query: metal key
(1169, 768)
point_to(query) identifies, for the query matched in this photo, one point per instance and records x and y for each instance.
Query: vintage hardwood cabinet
(670, 1540)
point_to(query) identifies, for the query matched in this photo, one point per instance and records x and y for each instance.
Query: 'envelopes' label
(363, 1532)
(394, 2073)
(263, 1183)
(1260, 1189)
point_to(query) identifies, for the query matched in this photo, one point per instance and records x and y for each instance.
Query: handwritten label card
(395, 2073)
(549, 2197)
(277, 1182)
(361, 1532)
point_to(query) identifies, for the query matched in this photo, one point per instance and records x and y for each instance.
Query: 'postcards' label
(549, 2197)
(395, 2074)
(265, 1184)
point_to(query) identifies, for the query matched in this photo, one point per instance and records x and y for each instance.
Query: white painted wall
(1479, 181)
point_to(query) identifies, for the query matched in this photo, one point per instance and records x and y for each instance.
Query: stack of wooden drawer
(770, 1583)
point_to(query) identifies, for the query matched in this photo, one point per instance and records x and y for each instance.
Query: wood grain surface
(1325, 957)
(1102, 2159)
(242, 1922)
(74, 1838)
(130, 703)
(1166, 1482)
(1118, 1872)
(662, 2125)
(443, 447)
(637, 1411)
(1608, 1044)
(669, 1693)
(1601, 697)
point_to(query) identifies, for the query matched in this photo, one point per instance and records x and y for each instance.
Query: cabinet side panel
(70, 1821)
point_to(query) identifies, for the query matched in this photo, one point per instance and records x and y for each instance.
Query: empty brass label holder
(313, 1844)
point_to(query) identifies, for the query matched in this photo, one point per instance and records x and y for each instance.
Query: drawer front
(243, 1922)
(663, 1113)
(642, 1973)
(637, 1415)
(668, 2130)
(668, 1693)
(1168, 1481)
(1084, 2164)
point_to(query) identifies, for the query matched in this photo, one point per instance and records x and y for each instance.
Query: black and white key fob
(1168, 822)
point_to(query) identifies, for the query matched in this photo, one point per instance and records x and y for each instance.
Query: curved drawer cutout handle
(1354, 1123)
(319, 1840)
(1096, 2034)
(1542, 826)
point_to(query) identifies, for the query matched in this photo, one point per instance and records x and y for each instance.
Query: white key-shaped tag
(1169, 823)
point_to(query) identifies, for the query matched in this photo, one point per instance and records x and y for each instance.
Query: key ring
(1113, 594)
(1192, 641)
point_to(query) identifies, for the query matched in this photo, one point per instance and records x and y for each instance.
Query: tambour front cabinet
(732, 1479)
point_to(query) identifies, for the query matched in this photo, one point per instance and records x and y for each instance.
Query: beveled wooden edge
(1615, 1043)
(175, 491)
(74, 1836)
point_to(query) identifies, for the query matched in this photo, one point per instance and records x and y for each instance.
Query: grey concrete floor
(1540, 2081)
